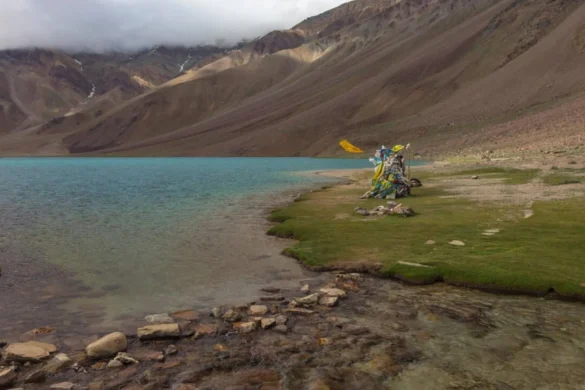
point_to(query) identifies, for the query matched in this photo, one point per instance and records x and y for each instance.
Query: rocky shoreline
(184, 349)
(352, 332)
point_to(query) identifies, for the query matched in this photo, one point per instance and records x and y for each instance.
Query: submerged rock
(457, 243)
(328, 301)
(266, 323)
(257, 310)
(65, 386)
(107, 346)
(305, 289)
(25, 352)
(171, 350)
(57, 363)
(245, 327)
(231, 316)
(7, 377)
(160, 331)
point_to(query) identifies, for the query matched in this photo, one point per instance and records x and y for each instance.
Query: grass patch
(530, 255)
(560, 179)
(510, 175)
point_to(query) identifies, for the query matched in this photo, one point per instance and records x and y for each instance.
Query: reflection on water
(123, 237)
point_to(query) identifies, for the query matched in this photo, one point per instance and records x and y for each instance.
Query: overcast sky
(100, 25)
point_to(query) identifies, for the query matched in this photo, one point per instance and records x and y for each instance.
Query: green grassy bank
(536, 255)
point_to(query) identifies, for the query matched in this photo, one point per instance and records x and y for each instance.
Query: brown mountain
(447, 75)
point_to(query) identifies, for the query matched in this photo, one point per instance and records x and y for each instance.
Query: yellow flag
(349, 147)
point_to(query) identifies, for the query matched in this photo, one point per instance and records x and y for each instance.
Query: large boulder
(26, 352)
(107, 346)
(161, 331)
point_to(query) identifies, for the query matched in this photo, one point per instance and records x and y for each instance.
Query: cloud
(102, 25)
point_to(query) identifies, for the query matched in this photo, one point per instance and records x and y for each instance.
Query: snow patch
(182, 66)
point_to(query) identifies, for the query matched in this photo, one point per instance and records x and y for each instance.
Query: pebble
(430, 242)
(171, 350)
(457, 243)
(216, 312)
(124, 358)
(305, 289)
(281, 329)
(475, 177)
(115, 364)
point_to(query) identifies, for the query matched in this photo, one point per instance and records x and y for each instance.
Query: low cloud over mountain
(103, 25)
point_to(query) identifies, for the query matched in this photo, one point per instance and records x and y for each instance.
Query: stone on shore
(245, 327)
(115, 364)
(309, 300)
(159, 319)
(281, 320)
(7, 377)
(333, 292)
(216, 312)
(64, 386)
(281, 329)
(161, 331)
(328, 301)
(305, 289)
(361, 211)
(231, 316)
(266, 323)
(258, 310)
(46, 346)
(457, 243)
(205, 330)
(25, 352)
(299, 311)
(107, 346)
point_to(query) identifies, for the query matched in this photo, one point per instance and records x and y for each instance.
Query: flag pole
(409, 163)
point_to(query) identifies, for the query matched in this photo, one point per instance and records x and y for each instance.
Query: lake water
(87, 241)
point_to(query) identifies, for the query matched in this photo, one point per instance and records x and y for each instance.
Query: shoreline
(376, 269)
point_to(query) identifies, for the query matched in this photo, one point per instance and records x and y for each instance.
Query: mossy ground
(533, 255)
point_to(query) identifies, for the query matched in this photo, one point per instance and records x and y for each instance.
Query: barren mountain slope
(44, 84)
(449, 75)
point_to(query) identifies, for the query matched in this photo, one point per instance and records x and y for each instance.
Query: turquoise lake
(96, 241)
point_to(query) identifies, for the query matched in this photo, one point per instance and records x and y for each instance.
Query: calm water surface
(117, 237)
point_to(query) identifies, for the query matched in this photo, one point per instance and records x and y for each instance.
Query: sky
(128, 25)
